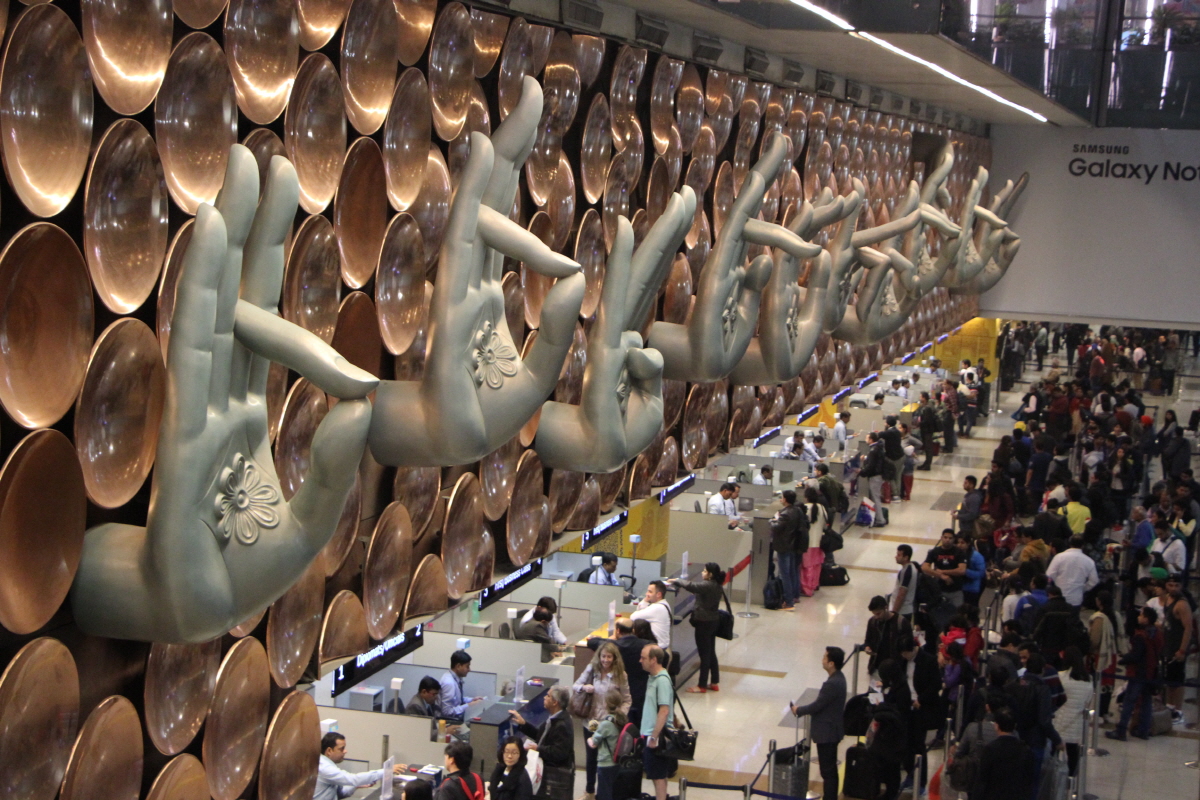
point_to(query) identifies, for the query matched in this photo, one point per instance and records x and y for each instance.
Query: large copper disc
(237, 720)
(128, 44)
(668, 463)
(181, 779)
(516, 61)
(674, 394)
(118, 412)
(310, 283)
(356, 336)
(369, 43)
(338, 548)
(303, 411)
(314, 131)
(451, 70)
(489, 31)
(462, 546)
(195, 121)
(428, 593)
(294, 625)
(45, 324)
(406, 135)
(592, 257)
(497, 474)
(529, 510)
(387, 570)
(360, 211)
(43, 510)
(417, 488)
(198, 13)
(586, 513)
(319, 21)
(400, 283)
(167, 284)
(695, 434)
(565, 488)
(39, 714)
(45, 109)
(589, 57)
(248, 625)
(262, 40)
(179, 686)
(431, 209)
(415, 20)
(293, 747)
(595, 149)
(570, 380)
(610, 487)
(534, 284)
(107, 758)
(344, 629)
(639, 479)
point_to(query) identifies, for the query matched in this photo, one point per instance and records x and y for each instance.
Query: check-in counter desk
(493, 724)
(494, 620)
(593, 597)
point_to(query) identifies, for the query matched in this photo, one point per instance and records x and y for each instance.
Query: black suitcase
(773, 594)
(834, 575)
(791, 777)
(628, 783)
(860, 782)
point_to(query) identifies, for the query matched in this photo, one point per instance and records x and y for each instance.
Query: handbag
(679, 743)
(581, 704)
(724, 619)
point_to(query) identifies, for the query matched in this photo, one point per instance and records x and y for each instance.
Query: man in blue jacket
(976, 568)
(826, 728)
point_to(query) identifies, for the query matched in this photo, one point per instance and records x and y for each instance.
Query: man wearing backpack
(789, 540)
(1029, 606)
(1141, 671)
(832, 491)
(872, 475)
(460, 783)
(928, 425)
(1035, 711)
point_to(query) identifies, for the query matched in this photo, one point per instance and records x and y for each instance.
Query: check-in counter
(570, 565)
(593, 597)
(501, 656)
(493, 724)
(492, 619)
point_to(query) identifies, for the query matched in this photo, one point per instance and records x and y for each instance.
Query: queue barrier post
(747, 613)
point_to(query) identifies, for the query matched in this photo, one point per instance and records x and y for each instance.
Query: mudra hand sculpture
(1000, 245)
(711, 343)
(622, 407)
(477, 392)
(220, 543)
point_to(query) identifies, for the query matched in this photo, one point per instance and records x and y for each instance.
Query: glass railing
(1155, 81)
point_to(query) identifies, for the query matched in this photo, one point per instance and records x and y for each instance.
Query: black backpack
(1028, 618)
(929, 591)
(773, 594)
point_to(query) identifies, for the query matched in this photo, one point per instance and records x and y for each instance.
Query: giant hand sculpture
(220, 543)
(622, 407)
(711, 343)
(477, 392)
(1000, 244)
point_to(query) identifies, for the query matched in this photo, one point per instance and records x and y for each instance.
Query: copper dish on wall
(127, 45)
(528, 512)
(387, 570)
(45, 109)
(695, 435)
(294, 625)
(717, 415)
(560, 84)
(262, 41)
(415, 20)
(125, 216)
(344, 631)
(479, 120)
(237, 720)
(514, 306)
(674, 393)
(592, 257)
(406, 139)
(428, 593)
(560, 203)
(704, 161)
(39, 714)
(534, 284)
(400, 283)
(639, 479)
(542, 37)
(314, 131)
(723, 195)
(589, 57)
(497, 474)
(595, 149)
(118, 412)
(195, 121)
(677, 300)
(610, 487)
(107, 758)
(264, 144)
(736, 434)
(360, 211)
(178, 689)
(451, 69)
(431, 209)
(627, 72)
(586, 513)
(565, 487)
(689, 106)
(462, 546)
(356, 336)
(337, 549)
(417, 488)
(167, 284)
(664, 84)
(288, 770)
(43, 510)
(181, 779)
(489, 31)
(310, 284)
(516, 61)
(658, 190)
(198, 13)
(616, 198)
(303, 411)
(319, 21)
(569, 388)
(369, 43)
(248, 625)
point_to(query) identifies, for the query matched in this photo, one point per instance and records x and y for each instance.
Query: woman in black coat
(509, 779)
(705, 618)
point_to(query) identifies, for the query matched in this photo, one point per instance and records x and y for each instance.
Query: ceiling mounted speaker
(897, 104)
(876, 101)
(756, 62)
(826, 82)
(707, 49)
(931, 113)
(582, 14)
(914, 108)
(793, 73)
(856, 93)
(650, 31)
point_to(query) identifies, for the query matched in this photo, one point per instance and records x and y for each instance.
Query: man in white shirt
(894, 389)
(765, 476)
(655, 609)
(792, 446)
(333, 782)
(1073, 571)
(840, 435)
(549, 605)
(1174, 553)
(725, 502)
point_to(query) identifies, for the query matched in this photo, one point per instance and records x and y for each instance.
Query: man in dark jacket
(1035, 711)
(1141, 669)
(885, 631)
(893, 451)
(1006, 766)
(460, 783)
(789, 540)
(923, 674)
(826, 728)
(928, 426)
(971, 507)
(630, 648)
(871, 475)
(554, 740)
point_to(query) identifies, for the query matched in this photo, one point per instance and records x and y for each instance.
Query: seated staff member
(452, 703)
(425, 701)
(548, 605)
(725, 502)
(604, 575)
(655, 609)
(333, 782)
(765, 476)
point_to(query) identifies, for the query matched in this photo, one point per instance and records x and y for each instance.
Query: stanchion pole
(854, 673)
(683, 789)
(746, 792)
(771, 767)
(747, 613)
(1095, 749)
(1081, 773)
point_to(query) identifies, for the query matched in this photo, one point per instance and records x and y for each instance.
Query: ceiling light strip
(824, 14)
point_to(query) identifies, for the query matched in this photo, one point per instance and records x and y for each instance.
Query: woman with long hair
(509, 779)
(605, 674)
(1068, 719)
(705, 617)
(603, 743)
(1103, 627)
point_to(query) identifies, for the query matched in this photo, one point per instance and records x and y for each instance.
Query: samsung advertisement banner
(1109, 225)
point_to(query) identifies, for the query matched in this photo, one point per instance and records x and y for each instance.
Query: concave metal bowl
(43, 510)
(610, 487)
(303, 411)
(592, 257)
(717, 415)
(451, 69)
(294, 625)
(627, 73)
(107, 758)
(664, 84)
(723, 193)
(415, 21)
(595, 149)
(337, 549)
(703, 161)
(179, 685)
(356, 336)
(737, 428)
(125, 217)
(369, 44)
(695, 435)
(560, 84)
(542, 36)
(310, 284)
(529, 430)
(314, 131)
(431, 209)
(248, 625)
(658, 190)
(514, 306)
(560, 204)
(479, 120)
(417, 488)
(689, 106)
(570, 379)
(39, 714)
(616, 198)
(640, 476)
(45, 109)
(697, 252)
(406, 139)
(674, 394)
(489, 31)
(264, 145)
(387, 570)
(535, 284)
(462, 546)
(677, 299)
(497, 474)
(428, 593)
(528, 512)
(400, 283)
(181, 779)
(565, 487)
(288, 770)
(516, 61)
(237, 719)
(128, 44)
(344, 630)
(168, 282)
(198, 13)
(586, 513)
(360, 211)
(118, 412)
(319, 21)
(195, 121)
(262, 41)
(589, 57)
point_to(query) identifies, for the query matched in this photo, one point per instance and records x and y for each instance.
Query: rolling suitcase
(1054, 780)
(860, 782)
(791, 773)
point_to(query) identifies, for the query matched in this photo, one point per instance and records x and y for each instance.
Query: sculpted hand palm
(622, 406)
(477, 392)
(220, 542)
(1001, 245)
